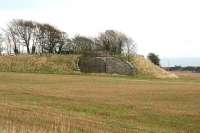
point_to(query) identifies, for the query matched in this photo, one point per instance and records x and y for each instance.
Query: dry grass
(97, 104)
(67, 64)
(146, 68)
(188, 75)
(39, 64)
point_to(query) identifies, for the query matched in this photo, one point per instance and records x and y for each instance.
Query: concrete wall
(105, 65)
(92, 65)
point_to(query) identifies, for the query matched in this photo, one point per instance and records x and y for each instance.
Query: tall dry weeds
(39, 64)
(147, 68)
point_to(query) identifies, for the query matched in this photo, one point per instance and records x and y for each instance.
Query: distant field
(97, 104)
(188, 75)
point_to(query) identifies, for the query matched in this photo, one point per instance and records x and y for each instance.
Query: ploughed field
(97, 104)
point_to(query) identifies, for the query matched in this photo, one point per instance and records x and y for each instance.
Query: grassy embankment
(93, 104)
(145, 68)
(67, 64)
(57, 64)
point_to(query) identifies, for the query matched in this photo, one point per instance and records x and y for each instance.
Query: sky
(169, 28)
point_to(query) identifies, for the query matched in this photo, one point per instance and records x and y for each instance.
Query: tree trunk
(28, 50)
(33, 50)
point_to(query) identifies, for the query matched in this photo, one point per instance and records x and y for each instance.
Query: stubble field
(97, 104)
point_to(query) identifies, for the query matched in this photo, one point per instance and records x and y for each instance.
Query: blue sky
(14, 5)
(169, 28)
(18, 4)
(168, 62)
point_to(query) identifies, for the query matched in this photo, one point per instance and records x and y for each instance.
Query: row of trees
(186, 68)
(30, 37)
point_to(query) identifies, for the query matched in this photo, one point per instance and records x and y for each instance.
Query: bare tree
(69, 47)
(129, 48)
(12, 39)
(40, 37)
(63, 41)
(1, 43)
(113, 41)
(45, 38)
(50, 37)
(24, 31)
(83, 44)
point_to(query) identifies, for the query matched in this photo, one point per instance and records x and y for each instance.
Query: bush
(154, 59)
